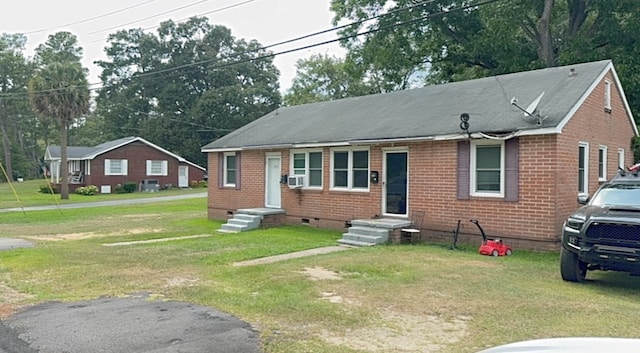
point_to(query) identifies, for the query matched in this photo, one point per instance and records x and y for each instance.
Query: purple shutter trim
(220, 170)
(464, 160)
(238, 168)
(511, 170)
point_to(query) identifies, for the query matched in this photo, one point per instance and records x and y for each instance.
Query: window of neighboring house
(487, 168)
(74, 166)
(157, 168)
(230, 169)
(583, 167)
(602, 163)
(308, 163)
(350, 169)
(607, 96)
(115, 167)
(621, 158)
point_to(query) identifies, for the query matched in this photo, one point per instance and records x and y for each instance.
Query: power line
(466, 7)
(95, 17)
(187, 18)
(269, 55)
(150, 17)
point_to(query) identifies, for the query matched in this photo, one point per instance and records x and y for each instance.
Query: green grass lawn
(396, 298)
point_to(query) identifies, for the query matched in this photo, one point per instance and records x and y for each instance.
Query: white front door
(183, 176)
(272, 181)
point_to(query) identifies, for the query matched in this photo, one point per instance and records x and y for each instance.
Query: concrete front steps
(369, 232)
(248, 219)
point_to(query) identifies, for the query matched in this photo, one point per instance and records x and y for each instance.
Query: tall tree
(15, 71)
(321, 78)
(456, 40)
(60, 91)
(186, 85)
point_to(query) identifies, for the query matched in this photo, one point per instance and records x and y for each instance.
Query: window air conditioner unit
(295, 181)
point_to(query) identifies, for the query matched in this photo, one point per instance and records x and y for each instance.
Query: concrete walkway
(293, 255)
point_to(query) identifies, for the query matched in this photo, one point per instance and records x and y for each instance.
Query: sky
(267, 21)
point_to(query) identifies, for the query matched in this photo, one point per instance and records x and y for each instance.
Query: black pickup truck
(604, 234)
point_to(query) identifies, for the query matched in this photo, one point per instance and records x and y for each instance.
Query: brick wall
(548, 182)
(137, 153)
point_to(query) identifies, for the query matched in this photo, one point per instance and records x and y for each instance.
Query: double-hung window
(309, 164)
(602, 163)
(350, 169)
(157, 168)
(230, 169)
(115, 167)
(621, 158)
(487, 168)
(607, 96)
(583, 167)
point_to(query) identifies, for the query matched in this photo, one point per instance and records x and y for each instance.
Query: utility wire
(187, 18)
(95, 17)
(150, 17)
(269, 55)
(311, 45)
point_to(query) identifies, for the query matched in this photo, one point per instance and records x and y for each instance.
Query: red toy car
(493, 247)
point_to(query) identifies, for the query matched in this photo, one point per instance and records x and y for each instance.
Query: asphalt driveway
(135, 324)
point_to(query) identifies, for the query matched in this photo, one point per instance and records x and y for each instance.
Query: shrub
(130, 186)
(119, 189)
(198, 184)
(87, 190)
(49, 189)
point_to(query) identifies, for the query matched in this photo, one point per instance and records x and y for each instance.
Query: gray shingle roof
(426, 112)
(88, 153)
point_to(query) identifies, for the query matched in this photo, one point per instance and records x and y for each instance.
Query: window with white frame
(350, 169)
(115, 167)
(602, 163)
(230, 169)
(74, 166)
(583, 167)
(487, 168)
(621, 158)
(308, 163)
(157, 168)
(607, 95)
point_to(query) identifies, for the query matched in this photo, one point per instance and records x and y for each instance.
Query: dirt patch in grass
(9, 299)
(397, 332)
(86, 235)
(181, 282)
(319, 273)
(393, 331)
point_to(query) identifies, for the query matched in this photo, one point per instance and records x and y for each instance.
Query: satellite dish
(533, 106)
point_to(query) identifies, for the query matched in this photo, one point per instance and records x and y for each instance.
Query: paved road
(106, 203)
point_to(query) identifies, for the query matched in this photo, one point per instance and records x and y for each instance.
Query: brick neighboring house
(129, 159)
(535, 140)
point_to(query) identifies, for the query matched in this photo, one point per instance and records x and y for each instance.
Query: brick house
(129, 159)
(534, 141)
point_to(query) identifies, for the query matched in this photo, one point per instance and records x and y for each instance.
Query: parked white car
(571, 345)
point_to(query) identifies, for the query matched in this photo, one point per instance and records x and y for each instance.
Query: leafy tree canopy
(185, 85)
(59, 91)
(322, 78)
(448, 40)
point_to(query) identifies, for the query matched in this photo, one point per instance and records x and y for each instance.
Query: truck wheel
(571, 268)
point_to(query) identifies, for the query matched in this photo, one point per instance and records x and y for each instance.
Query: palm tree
(60, 92)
